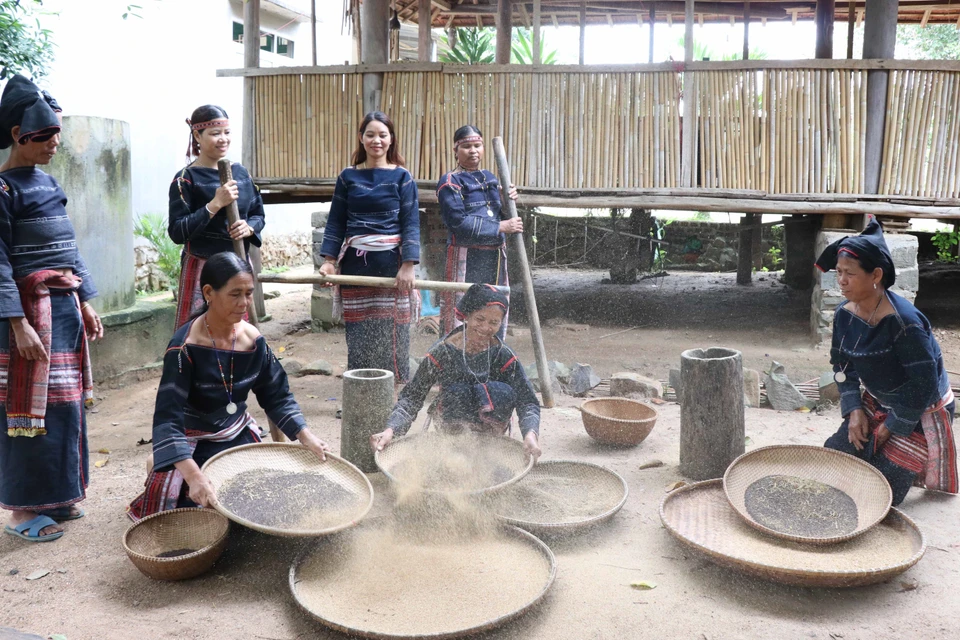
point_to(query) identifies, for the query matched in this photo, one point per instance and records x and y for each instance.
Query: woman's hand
(512, 192)
(883, 434)
(226, 194)
(315, 444)
(28, 342)
(240, 229)
(858, 429)
(405, 277)
(379, 440)
(328, 268)
(91, 322)
(511, 225)
(200, 488)
(531, 445)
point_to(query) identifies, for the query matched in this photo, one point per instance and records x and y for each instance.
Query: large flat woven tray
(372, 611)
(862, 482)
(293, 458)
(562, 496)
(506, 453)
(699, 516)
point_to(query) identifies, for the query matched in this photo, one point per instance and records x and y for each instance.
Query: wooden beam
(251, 60)
(746, 29)
(687, 163)
(313, 30)
(556, 25)
(583, 28)
(653, 21)
(537, 43)
(524, 14)
(424, 41)
(504, 28)
(851, 22)
(879, 41)
(826, 9)
(926, 17)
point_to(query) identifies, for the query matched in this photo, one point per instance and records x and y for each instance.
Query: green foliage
(281, 269)
(478, 46)
(703, 51)
(132, 11)
(944, 241)
(523, 48)
(776, 258)
(702, 216)
(152, 227)
(25, 47)
(933, 42)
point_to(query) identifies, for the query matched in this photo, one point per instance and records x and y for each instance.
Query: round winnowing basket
(562, 496)
(319, 565)
(699, 516)
(203, 530)
(293, 458)
(865, 485)
(500, 453)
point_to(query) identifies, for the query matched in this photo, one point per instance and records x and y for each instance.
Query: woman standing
(374, 230)
(211, 365)
(198, 214)
(901, 422)
(470, 206)
(45, 322)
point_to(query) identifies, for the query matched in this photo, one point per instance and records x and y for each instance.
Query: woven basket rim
(583, 408)
(295, 533)
(769, 569)
(473, 492)
(809, 539)
(186, 556)
(526, 536)
(558, 527)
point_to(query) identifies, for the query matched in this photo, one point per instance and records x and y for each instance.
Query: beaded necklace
(231, 405)
(483, 186)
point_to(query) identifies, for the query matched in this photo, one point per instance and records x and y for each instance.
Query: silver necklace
(483, 186)
(463, 352)
(841, 376)
(231, 405)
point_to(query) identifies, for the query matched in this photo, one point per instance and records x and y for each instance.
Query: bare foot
(19, 517)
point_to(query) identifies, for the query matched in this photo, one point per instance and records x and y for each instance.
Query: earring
(874, 285)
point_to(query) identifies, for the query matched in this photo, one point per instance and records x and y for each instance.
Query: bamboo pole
(368, 281)
(233, 215)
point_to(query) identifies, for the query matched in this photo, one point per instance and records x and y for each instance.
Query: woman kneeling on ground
(211, 365)
(481, 380)
(902, 421)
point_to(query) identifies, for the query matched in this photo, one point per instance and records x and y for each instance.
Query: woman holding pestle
(211, 365)
(901, 421)
(481, 380)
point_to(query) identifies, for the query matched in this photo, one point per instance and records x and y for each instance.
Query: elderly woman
(470, 206)
(481, 380)
(198, 205)
(211, 365)
(45, 322)
(374, 230)
(901, 420)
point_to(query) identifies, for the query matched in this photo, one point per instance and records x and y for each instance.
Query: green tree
(933, 42)
(522, 50)
(478, 46)
(25, 47)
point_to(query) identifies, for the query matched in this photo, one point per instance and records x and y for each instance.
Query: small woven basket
(618, 421)
(203, 530)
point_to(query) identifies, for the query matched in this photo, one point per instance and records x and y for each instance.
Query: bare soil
(93, 592)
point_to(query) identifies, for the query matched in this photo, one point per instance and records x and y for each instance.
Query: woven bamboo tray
(699, 516)
(858, 479)
(573, 483)
(293, 458)
(502, 450)
(333, 553)
(204, 530)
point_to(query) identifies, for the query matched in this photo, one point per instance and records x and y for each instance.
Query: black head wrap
(868, 248)
(24, 104)
(479, 296)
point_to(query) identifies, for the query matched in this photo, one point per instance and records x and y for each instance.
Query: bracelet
(209, 211)
(84, 306)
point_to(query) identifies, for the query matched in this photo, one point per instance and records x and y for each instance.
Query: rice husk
(800, 507)
(556, 495)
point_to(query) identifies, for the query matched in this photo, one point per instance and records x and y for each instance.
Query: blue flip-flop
(63, 513)
(30, 530)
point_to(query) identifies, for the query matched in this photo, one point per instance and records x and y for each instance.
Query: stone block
(908, 279)
(903, 247)
(291, 365)
(675, 382)
(631, 385)
(751, 387)
(135, 339)
(321, 310)
(317, 368)
(582, 379)
(827, 280)
(318, 219)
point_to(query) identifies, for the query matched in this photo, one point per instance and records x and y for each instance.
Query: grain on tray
(800, 507)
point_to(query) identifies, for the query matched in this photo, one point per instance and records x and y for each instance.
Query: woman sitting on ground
(901, 423)
(481, 380)
(210, 367)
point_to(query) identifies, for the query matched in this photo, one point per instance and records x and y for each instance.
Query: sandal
(30, 530)
(63, 513)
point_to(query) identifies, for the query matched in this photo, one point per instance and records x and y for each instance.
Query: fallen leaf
(99, 464)
(314, 397)
(57, 636)
(282, 349)
(643, 585)
(103, 450)
(651, 464)
(674, 486)
(39, 573)
(658, 401)
(61, 570)
(115, 423)
(747, 441)
(142, 442)
(908, 585)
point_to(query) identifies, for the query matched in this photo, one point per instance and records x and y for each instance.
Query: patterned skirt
(487, 265)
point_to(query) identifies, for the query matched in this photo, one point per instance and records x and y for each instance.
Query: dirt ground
(94, 593)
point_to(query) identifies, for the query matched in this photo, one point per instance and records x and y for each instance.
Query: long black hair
(206, 113)
(393, 152)
(217, 272)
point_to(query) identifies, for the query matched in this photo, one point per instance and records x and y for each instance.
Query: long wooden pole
(537, 43)
(423, 31)
(536, 335)
(583, 30)
(689, 109)
(368, 281)
(313, 29)
(504, 35)
(251, 60)
(653, 20)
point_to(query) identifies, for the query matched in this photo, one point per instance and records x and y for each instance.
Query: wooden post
(711, 411)
(504, 31)
(537, 43)
(375, 47)
(689, 98)
(879, 41)
(756, 242)
(313, 30)
(851, 24)
(423, 31)
(745, 249)
(583, 29)
(536, 335)
(251, 60)
(799, 245)
(824, 20)
(653, 19)
(746, 29)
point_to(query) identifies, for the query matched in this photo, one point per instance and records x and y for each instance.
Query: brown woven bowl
(204, 530)
(858, 479)
(618, 421)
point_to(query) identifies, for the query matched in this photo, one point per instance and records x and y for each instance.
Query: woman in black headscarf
(481, 380)
(901, 421)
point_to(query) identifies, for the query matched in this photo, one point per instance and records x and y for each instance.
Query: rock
(631, 385)
(531, 370)
(781, 393)
(560, 370)
(728, 259)
(751, 387)
(582, 379)
(674, 382)
(829, 392)
(317, 367)
(291, 365)
(270, 295)
(318, 219)
(6, 633)
(574, 327)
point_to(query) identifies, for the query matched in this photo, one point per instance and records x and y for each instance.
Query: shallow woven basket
(295, 459)
(598, 484)
(861, 481)
(618, 421)
(202, 529)
(507, 451)
(699, 516)
(333, 548)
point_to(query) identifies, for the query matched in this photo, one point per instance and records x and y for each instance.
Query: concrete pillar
(653, 21)
(504, 30)
(375, 47)
(879, 41)
(583, 29)
(799, 239)
(424, 41)
(824, 21)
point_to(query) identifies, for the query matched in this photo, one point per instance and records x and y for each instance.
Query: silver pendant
(489, 212)
(840, 376)
(232, 408)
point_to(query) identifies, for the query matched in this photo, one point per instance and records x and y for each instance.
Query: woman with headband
(470, 206)
(198, 205)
